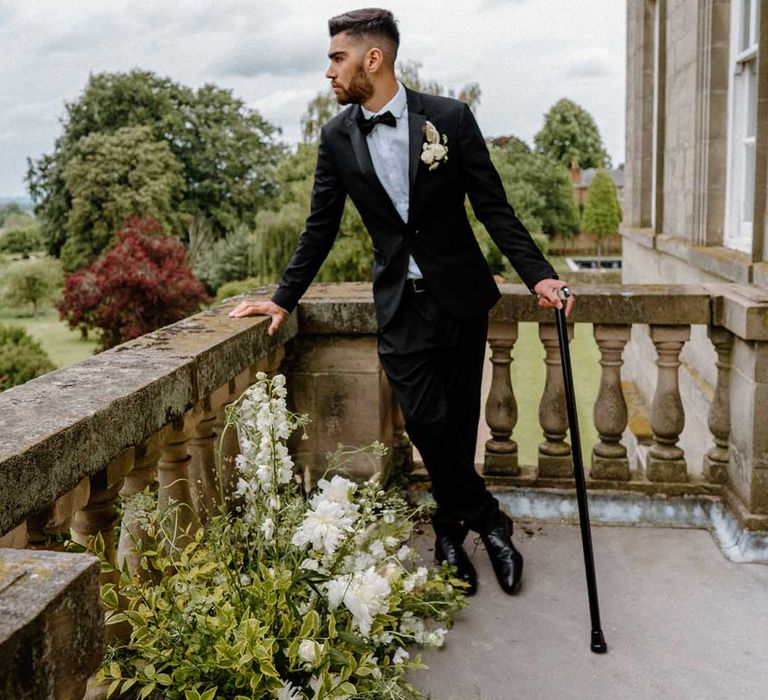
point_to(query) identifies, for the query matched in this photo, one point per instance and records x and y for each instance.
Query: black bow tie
(366, 125)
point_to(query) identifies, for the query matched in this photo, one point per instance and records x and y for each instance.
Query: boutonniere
(435, 148)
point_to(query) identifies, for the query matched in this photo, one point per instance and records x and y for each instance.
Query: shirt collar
(396, 105)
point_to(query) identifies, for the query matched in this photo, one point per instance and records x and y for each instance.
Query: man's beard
(359, 90)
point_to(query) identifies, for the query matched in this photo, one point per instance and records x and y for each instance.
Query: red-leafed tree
(144, 282)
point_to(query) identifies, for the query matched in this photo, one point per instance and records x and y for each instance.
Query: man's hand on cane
(548, 292)
(264, 308)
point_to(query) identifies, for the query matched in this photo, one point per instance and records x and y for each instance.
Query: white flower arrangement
(290, 596)
(434, 150)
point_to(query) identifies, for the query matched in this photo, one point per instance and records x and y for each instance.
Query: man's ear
(374, 59)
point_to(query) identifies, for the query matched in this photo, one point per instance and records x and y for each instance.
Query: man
(407, 160)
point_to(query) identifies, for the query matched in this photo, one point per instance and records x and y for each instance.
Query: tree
(114, 177)
(227, 260)
(31, 281)
(323, 106)
(21, 241)
(21, 357)
(570, 133)
(141, 284)
(227, 152)
(602, 212)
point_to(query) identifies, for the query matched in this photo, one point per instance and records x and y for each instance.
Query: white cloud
(524, 55)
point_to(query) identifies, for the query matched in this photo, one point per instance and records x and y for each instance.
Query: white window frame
(742, 117)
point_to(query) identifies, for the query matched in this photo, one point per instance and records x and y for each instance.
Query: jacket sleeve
(320, 230)
(489, 202)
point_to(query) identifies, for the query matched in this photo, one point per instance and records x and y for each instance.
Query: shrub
(141, 284)
(31, 281)
(21, 357)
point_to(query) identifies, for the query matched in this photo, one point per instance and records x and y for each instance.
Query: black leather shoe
(507, 562)
(450, 550)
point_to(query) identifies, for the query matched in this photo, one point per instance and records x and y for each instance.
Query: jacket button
(416, 232)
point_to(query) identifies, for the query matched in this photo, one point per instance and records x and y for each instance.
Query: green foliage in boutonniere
(435, 148)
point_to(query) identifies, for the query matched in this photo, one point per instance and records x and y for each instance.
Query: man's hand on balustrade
(262, 308)
(548, 292)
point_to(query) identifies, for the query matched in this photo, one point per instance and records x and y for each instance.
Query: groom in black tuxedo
(408, 160)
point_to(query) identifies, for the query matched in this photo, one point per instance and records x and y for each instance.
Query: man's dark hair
(370, 21)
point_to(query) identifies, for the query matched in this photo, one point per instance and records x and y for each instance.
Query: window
(742, 115)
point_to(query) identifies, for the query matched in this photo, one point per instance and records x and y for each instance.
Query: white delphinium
(325, 526)
(400, 656)
(268, 528)
(415, 580)
(289, 692)
(364, 594)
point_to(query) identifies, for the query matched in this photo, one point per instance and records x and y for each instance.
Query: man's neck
(381, 95)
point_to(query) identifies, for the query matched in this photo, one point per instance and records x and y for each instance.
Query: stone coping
(70, 423)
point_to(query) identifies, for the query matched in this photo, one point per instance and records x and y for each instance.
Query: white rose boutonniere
(435, 148)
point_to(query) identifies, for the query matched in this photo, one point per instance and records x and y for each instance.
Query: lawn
(64, 346)
(528, 374)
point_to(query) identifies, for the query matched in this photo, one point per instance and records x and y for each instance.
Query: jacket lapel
(416, 122)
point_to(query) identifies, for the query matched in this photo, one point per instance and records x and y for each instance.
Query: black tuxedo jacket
(437, 232)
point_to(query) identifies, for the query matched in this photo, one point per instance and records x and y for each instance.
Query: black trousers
(435, 364)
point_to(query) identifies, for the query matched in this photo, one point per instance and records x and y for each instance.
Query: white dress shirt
(389, 152)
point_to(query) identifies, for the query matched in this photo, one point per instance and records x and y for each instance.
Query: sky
(525, 54)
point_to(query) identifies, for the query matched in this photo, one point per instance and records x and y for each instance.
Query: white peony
(325, 526)
(310, 651)
(364, 594)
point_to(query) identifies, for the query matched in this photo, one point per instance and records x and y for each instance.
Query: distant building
(580, 180)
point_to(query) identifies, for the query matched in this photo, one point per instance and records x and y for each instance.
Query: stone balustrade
(151, 412)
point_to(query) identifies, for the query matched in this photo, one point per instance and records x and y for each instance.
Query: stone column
(402, 449)
(500, 406)
(666, 460)
(98, 516)
(203, 480)
(143, 475)
(716, 460)
(555, 459)
(609, 456)
(173, 483)
(43, 526)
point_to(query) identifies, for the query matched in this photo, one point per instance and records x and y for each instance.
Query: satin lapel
(416, 122)
(360, 146)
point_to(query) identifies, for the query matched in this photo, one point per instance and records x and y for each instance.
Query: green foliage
(13, 216)
(112, 178)
(230, 289)
(602, 212)
(226, 151)
(570, 133)
(227, 260)
(31, 281)
(258, 602)
(21, 241)
(21, 357)
(9, 210)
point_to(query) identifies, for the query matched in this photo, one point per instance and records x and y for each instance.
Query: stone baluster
(18, 538)
(609, 456)
(500, 406)
(203, 481)
(43, 526)
(173, 483)
(143, 475)
(666, 460)
(555, 459)
(716, 460)
(98, 516)
(402, 449)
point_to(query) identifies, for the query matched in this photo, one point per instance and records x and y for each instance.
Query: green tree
(570, 133)
(227, 151)
(114, 177)
(31, 281)
(21, 357)
(227, 260)
(21, 241)
(602, 212)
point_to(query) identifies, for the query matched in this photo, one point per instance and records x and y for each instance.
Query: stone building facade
(696, 171)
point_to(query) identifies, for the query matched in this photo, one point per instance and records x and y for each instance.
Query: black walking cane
(597, 642)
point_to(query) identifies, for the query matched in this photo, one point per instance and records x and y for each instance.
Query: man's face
(346, 71)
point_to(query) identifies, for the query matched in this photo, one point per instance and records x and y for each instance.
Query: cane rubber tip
(598, 644)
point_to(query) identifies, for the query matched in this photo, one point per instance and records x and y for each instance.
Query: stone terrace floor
(680, 621)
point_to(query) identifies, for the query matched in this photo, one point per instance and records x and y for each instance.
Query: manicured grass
(528, 374)
(64, 346)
